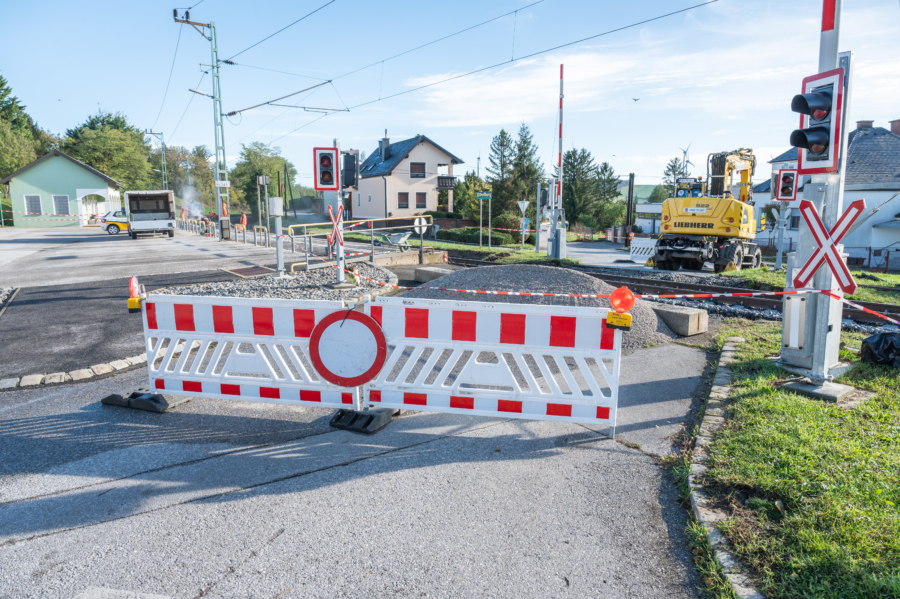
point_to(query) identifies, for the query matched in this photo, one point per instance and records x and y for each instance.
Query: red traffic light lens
(819, 114)
(325, 160)
(326, 177)
(817, 148)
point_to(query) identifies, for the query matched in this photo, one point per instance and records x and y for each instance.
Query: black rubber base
(366, 423)
(142, 399)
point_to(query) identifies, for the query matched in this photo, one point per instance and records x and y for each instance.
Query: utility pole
(162, 145)
(220, 166)
(629, 212)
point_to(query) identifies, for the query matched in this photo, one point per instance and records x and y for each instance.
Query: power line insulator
(175, 13)
(187, 15)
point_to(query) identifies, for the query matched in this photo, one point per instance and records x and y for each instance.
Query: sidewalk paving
(235, 499)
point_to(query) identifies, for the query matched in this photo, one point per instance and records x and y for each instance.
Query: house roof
(764, 187)
(374, 166)
(873, 157)
(52, 153)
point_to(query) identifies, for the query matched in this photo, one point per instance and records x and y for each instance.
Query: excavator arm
(720, 173)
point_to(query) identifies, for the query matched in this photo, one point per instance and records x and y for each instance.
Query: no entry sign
(827, 242)
(347, 348)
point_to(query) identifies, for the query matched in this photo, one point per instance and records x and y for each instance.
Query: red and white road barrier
(491, 359)
(238, 348)
(518, 361)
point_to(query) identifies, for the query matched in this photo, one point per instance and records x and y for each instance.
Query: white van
(150, 212)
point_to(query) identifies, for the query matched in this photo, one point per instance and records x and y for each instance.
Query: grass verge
(774, 281)
(812, 490)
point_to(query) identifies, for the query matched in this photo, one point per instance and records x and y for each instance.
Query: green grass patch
(774, 280)
(813, 489)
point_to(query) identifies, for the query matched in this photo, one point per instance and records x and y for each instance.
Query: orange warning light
(133, 288)
(622, 300)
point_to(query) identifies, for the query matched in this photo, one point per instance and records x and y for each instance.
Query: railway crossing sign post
(824, 103)
(481, 196)
(827, 249)
(523, 206)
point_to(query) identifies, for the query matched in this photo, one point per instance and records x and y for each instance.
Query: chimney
(895, 127)
(864, 124)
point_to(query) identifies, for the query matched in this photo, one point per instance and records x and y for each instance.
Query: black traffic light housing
(819, 107)
(545, 196)
(787, 184)
(350, 170)
(325, 169)
(819, 138)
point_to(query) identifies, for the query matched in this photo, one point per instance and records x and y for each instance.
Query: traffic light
(545, 197)
(818, 139)
(349, 169)
(326, 169)
(787, 185)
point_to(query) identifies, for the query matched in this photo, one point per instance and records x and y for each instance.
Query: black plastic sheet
(882, 348)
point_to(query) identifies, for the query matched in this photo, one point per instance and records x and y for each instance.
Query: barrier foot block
(366, 423)
(143, 399)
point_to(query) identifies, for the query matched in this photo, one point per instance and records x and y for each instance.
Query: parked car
(114, 221)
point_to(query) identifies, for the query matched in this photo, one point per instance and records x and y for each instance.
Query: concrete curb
(33, 380)
(713, 420)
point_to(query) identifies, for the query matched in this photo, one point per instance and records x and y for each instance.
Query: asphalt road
(68, 327)
(235, 499)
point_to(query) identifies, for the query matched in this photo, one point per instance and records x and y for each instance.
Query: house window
(416, 170)
(370, 197)
(33, 204)
(359, 199)
(795, 222)
(61, 204)
(420, 199)
(403, 199)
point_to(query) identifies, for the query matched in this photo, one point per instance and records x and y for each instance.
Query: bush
(511, 221)
(439, 214)
(470, 235)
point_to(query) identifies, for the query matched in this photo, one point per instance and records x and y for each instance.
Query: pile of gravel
(647, 327)
(301, 285)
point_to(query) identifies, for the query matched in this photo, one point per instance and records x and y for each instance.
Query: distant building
(873, 173)
(403, 178)
(58, 191)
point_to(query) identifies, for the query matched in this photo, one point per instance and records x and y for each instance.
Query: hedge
(470, 235)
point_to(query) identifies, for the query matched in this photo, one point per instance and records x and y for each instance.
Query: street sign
(526, 221)
(336, 230)
(347, 348)
(420, 225)
(223, 183)
(482, 195)
(523, 204)
(827, 242)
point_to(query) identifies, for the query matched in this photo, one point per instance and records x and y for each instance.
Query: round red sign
(347, 348)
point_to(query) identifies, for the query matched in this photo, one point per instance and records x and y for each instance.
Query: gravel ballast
(647, 328)
(301, 285)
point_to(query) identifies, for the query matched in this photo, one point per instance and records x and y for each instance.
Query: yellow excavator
(704, 222)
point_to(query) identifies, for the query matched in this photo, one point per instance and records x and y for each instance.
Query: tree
(610, 209)
(13, 113)
(500, 170)
(177, 160)
(581, 189)
(16, 150)
(527, 169)
(464, 200)
(675, 169)
(256, 159)
(117, 149)
(658, 195)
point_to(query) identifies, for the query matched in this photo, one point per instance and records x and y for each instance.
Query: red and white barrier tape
(858, 307)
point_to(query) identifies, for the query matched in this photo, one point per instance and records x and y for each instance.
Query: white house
(873, 173)
(403, 178)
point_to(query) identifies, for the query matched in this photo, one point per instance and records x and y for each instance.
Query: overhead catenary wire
(169, 80)
(273, 102)
(247, 66)
(283, 28)
(191, 99)
(538, 53)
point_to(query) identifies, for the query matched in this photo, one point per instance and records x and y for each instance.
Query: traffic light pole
(538, 217)
(820, 349)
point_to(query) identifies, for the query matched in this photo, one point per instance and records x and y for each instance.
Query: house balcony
(446, 182)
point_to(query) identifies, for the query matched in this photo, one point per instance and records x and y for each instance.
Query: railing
(446, 182)
(261, 229)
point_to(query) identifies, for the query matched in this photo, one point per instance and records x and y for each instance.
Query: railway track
(658, 287)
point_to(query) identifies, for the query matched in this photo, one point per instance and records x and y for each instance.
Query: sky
(717, 77)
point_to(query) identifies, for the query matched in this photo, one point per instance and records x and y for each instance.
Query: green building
(58, 191)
